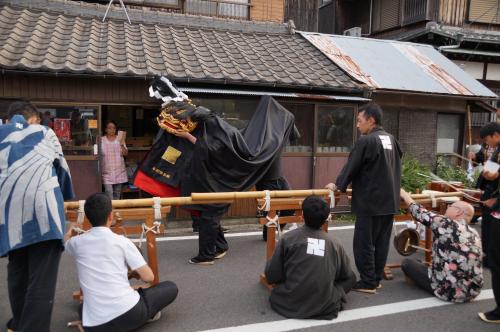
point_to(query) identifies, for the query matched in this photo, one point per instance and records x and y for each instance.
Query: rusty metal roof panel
(394, 65)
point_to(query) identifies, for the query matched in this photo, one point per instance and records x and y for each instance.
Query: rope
(157, 207)
(81, 212)
(155, 229)
(274, 222)
(331, 194)
(432, 194)
(267, 202)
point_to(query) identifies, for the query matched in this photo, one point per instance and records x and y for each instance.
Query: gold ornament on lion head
(171, 119)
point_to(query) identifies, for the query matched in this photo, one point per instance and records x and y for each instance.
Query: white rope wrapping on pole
(273, 222)
(155, 229)
(157, 207)
(81, 212)
(432, 194)
(267, 202)
(331, 195)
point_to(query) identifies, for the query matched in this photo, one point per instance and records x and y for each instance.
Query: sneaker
(154, 318)
(379, 286)
(489, 317)
(220, 254)
(198, 261)
(360, 287)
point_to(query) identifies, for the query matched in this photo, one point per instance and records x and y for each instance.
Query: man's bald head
(460, 210)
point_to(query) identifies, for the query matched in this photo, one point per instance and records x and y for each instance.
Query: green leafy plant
(449, 172)
(414, 174)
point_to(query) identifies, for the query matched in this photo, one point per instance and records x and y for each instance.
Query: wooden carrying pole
(230, 197)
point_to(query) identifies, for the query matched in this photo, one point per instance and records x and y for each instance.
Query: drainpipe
(460, 38)
(371, 17)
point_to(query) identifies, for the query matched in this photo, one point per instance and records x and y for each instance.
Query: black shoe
(200, 261)
(361, 287)
(220, 254)
(489, 317)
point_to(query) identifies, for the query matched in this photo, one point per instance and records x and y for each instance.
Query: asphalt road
(229, 295)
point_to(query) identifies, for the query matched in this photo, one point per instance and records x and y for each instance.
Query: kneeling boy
(102, 258)
(311, 271)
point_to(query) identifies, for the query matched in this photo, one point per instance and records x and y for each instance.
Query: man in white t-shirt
(103, 259)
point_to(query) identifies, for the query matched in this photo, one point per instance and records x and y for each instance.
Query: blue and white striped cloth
(34, 182)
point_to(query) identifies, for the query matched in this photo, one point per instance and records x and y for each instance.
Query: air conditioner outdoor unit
(354, 32)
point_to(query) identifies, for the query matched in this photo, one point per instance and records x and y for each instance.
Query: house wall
(417, 121)
(298, 161)
(91, 89)
(304, 13)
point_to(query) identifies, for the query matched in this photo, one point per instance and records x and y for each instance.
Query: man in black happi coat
(374, 169)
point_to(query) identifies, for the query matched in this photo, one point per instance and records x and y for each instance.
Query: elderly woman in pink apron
(113, 164)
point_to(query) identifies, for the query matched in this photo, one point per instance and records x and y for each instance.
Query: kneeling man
(103, 258)
(310, 271)
(456, 273)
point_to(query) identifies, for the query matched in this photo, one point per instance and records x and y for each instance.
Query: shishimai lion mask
(176, 116)
(177, 112)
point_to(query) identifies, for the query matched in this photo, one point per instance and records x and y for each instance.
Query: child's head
(315, 211)
(97, 209)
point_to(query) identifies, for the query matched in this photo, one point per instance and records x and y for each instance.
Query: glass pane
(236, 112)
(75, 126)
(304, 121)
(335, 128)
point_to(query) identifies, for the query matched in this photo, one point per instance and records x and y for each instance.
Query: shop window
(236, 112)
(76, 127)
(335, 128)
(304, 121)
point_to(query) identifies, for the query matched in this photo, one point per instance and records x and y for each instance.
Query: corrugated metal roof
(235, 92)
(394, 65)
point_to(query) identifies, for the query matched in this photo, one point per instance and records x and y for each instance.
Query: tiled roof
(36, 40)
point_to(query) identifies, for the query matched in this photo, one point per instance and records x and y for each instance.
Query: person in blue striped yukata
(34, 182)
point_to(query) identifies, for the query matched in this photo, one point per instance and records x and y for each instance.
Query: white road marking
(243, 234)
(348, 315)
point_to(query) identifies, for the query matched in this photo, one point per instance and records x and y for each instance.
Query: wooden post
(271, 237)
(151, 249)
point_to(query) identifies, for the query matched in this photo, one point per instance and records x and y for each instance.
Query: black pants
(418, 273)
(211, 238)
(494, 261)
(371, 246)
(31, 279)
(152, 300)
(486, 220)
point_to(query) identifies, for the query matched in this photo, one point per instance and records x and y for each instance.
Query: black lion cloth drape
(223, 158)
